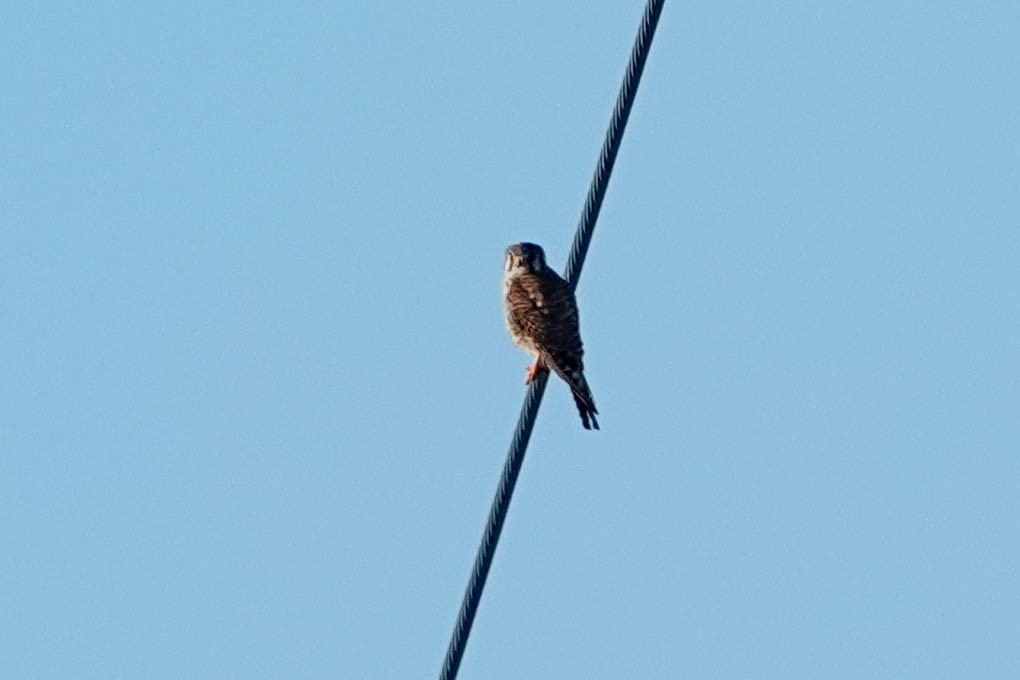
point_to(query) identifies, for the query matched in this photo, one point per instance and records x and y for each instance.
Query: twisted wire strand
(611, 145)
(529, 411)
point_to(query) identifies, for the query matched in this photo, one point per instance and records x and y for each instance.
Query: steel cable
(529, 412)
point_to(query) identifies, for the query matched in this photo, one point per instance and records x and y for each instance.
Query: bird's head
(523, 258)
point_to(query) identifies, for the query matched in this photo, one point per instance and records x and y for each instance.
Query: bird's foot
(532, 372)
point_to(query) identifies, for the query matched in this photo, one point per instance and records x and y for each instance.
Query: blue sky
(256, 388)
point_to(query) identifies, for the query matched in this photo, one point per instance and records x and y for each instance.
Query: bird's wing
(545, 308)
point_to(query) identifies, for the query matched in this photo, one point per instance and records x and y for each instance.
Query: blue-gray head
(524, 258)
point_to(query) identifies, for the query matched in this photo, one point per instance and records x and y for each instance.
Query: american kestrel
(541, 315)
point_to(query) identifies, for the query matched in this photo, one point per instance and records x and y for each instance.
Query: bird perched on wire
(541, 315)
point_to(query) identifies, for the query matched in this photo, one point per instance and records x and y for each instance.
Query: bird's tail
(585, 404)
(573, 375)
(582, 398)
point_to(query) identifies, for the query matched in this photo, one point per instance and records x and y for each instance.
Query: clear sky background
(257, 391)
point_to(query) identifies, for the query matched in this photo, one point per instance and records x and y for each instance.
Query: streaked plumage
(541, 315)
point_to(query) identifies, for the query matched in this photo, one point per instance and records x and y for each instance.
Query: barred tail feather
(574, 377)
(585, 406)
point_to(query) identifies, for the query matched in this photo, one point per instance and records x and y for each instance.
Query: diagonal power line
(529, 412)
